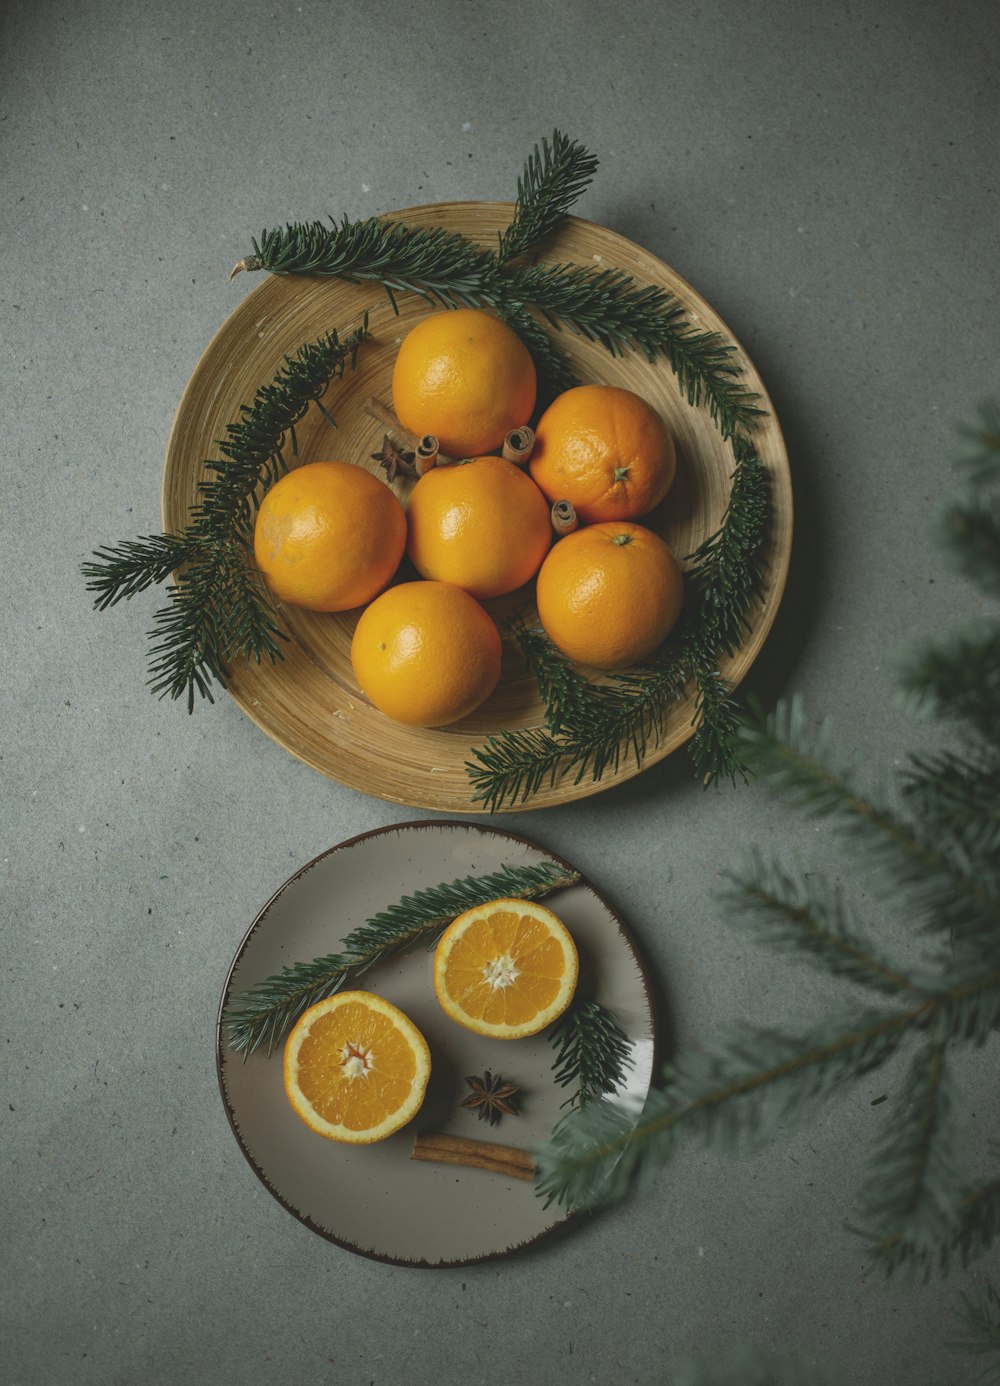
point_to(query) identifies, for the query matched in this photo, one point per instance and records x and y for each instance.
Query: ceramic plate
(310, 702)
(375, 1200)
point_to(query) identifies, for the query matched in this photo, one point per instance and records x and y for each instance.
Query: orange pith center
(356, 1061)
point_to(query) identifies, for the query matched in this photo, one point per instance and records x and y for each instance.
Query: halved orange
(356, 1068)
(506, 969)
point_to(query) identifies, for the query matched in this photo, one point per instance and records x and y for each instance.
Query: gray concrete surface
(826, 174)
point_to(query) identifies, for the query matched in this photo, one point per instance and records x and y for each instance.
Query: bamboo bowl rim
(309, 702)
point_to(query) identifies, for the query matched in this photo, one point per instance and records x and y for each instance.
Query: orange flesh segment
(537, 958)
(357, 1103)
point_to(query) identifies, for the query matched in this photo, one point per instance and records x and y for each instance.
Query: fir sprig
(611, 722)
(726, 572)
(553, 178)
(592, 727)
(607, 306)
(265, 1012)
(601, 305)
(438, 265)
(980, 1315)
(218, 609)
(911, 1199)
(954, 885)
(592, 1052)
(950, 791)
(555, 370)
(934, 853)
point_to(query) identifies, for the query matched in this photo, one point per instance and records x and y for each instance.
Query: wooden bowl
(310, 702)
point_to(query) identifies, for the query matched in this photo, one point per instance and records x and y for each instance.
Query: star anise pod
(394, 459)
(491, 1097)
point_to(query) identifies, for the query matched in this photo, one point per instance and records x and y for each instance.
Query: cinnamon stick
(564, 519)
(403, 436)
(427, 453)
(439, 1148)
(519, 444)
(388, 420)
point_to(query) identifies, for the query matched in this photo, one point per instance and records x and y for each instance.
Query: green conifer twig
(602, 305)
(979, 1312)
(591, 727)
(592, 1052)
(764, 1078)
(265, 1012)
(218, 610)
(554, 176)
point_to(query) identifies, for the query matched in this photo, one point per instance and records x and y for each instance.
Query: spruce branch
(813, 918)
(592, 1052)
(979, 1225)
(265, 1012)
(217, 610)
(957, 890)
(736, 1098)
(135, 565)
(438, 265)
(253, 446)
(611, 722)
(512, 766)
(554, 176)
(726, 573)
(717, 718)
(951, 792)
(969, 532)
(977, 1228)
(592, 727)
(911, 1198)
(554, 368)
(607, 306)
(978, 460)
(958, 677)
(739, 1097)
(565, 692)
(979, 1312)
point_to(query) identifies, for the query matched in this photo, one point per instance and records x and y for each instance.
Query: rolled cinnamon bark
(442, 1149)
(564, 519)
(519, 445)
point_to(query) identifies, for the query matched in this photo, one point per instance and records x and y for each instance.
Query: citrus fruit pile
(356, 1067)
(330, 536)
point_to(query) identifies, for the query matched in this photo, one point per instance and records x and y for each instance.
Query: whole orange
(608, 594)
(466, 377)
(604, 449)
(483, 525)
(329, 536)
(426, 653)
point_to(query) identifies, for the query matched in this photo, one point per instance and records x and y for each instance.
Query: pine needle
(266, 1012)
(594, 727)
(592, 1052)
(979, 1312)
(935, 855)
(218, 610)
(553, 178)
